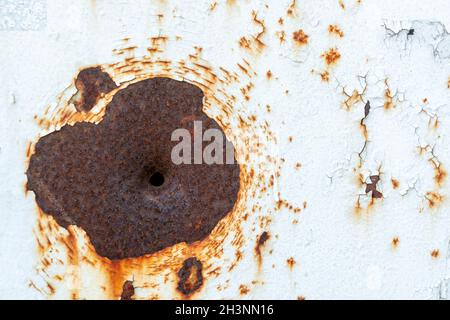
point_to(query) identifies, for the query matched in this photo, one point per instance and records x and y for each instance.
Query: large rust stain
(116, 179)
(68, 258)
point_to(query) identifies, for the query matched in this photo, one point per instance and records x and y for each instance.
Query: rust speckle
(127, 291)
(292, 7)
(342, 4)
(261, 241)
(335, 30)
(331, 56)
(448, 83)
(291, 263)
(269, 74)
(91, 83)
(190, 276)
(395, 183)
(435, 253)
(243, 290)
(372, 187)
(301, 298)
(434, 199)
(71, 173)
(325, 76)
(439, 173)
(300, 37)
(395, 242)
(388, 97)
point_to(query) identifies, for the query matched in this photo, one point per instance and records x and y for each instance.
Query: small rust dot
(300, 37)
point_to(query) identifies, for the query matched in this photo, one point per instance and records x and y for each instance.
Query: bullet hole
(372, 187)
(127, 291)
(190, 276)
(91, 83)
(410, 32)
(116, 179)
(156, 179)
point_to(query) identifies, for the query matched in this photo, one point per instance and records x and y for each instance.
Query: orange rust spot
(433, 199)
(325, 76)
(352, 99)
(291, 8)
(388, 97)
(260, 23)
(280, 21)
(300, 37)
(269, 74)
(335, 30)
(439, 173)
(301, 298)
(291, 263)
(243, 290)
(395, 242)
(281, 36)
(331, 56)
(290, 138)
(212, 6)
(342, 4)
(298, 165)
(231, 3)
(435, 253)
(305, 204)
(395, 183)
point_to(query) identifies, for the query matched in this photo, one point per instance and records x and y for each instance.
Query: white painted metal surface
(339, 243)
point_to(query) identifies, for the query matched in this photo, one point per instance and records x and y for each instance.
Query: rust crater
(116, 180)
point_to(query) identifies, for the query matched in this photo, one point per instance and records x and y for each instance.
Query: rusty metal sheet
(337, 113)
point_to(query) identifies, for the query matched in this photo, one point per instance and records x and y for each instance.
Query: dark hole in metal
(156, 179)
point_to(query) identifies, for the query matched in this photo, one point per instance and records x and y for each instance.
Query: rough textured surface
(393, 247)
(190, 276)
(101, 177)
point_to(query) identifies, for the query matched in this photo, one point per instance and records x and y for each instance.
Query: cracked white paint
(340, 252)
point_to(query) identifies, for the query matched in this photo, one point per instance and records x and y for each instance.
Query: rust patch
(292, 8)
(291, 263)
(300, 37)
(91, 83)
(439, 173)
(71, 249)
(388, 97)
(260, 243)
(395, 183)
(435, 253)
(395, 242)
(243, 290)
(269, 74)
(127, 291)
(331, 56)
(190, 276)
(372, 187)
(116, 179)
(334, 29)
(434, 199)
